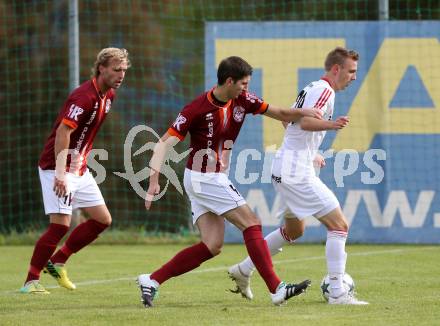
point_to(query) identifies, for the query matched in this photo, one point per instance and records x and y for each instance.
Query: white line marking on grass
(224, 268)
(277, 262)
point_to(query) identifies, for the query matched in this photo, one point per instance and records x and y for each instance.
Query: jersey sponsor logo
(209, 116)
(108, 104)
(179, 121)
(210, 129)
(92, 117)
(238, 113)
(210, 135)
(81, 139)
(74, 112)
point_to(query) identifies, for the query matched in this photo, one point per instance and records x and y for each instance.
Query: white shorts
(210, 192)
(312, 198)
(83, 192)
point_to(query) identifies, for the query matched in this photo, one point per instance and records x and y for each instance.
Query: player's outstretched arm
(312, 124)
(162, 147)
(62, 141)
(292, 114)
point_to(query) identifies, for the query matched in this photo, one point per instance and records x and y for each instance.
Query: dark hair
(338, 56)
(234, 67)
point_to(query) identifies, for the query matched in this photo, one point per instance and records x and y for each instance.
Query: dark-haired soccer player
(214, 120)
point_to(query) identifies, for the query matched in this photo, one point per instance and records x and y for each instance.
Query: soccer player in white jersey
(302, 193)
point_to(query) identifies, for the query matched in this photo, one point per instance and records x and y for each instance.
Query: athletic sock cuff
(252, 233)
(336, 234)
(98, 227)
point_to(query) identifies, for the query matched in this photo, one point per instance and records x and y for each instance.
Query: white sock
(275, 241)
(336, 259)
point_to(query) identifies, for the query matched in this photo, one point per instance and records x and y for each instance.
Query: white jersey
(299, 146)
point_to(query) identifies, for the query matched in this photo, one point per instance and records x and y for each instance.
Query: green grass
(402, 284)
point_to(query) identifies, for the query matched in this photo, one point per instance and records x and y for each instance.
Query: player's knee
(294, 234)
(216, 251)
(335, 222)
(344, 226)
(107, 220)
(251, 221)
(215, 248)
(294, 230)
(338, 226)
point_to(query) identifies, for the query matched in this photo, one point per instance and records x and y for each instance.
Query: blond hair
(106, 55)
(338, 57)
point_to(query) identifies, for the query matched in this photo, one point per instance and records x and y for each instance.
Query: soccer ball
(347, 282)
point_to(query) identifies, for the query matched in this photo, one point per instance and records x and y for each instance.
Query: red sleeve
(76, 110)
(263, 108)
(173, 132)
(69, 123)
(182, 124)
(252, 103)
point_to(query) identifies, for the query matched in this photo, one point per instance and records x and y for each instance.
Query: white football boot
(286, 291)
(346, 298)
(149, 289)
(242, 281)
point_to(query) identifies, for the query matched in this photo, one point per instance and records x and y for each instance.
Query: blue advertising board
(383, 167)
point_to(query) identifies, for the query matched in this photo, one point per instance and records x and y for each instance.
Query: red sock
(80, 237)
(61, 255)
(260, 255)
(44, 248)
(185, 261)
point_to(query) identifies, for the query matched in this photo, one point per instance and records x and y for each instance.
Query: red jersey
(84, 111)
(213, 127)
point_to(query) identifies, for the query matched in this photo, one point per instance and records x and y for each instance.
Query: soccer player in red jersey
(214, 120)
(65, 179)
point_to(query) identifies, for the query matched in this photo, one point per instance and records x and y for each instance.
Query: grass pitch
(402, 284)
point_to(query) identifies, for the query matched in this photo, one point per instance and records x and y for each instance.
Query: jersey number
(68, 199)
(300, 101)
